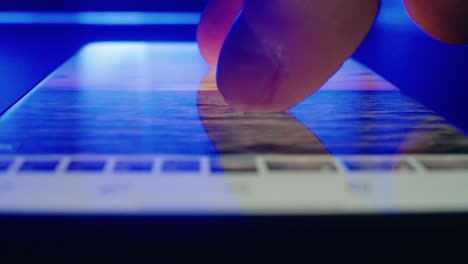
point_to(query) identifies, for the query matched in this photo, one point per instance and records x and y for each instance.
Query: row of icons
(240, 164)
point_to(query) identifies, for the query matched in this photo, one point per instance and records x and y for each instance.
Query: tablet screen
(140, 128)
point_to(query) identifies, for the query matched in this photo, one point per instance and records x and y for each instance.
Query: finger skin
(234, 132)
(445, 20)
(214, 25)
(279, 53)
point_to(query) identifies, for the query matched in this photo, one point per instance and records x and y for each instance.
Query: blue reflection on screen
(382, 123)
(144, 98)
(114, 98)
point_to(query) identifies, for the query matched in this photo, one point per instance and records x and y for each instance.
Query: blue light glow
(100, 18)
(391, 13)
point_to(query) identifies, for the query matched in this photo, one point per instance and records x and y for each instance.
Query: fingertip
(446, 20)
(272, 60)
(246, 70)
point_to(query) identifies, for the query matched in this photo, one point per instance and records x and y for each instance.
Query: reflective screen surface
(140, 128)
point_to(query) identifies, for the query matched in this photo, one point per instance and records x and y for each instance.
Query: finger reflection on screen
(247, 133)
(434, 136)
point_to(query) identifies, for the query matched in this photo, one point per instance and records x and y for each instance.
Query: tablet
(139, 128)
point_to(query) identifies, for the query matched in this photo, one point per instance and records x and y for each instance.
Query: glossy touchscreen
(140, 128)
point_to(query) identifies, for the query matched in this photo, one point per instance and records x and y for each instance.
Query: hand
(278, 52)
